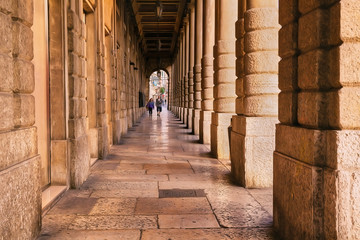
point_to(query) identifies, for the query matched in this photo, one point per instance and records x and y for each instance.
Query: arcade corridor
(160, 183)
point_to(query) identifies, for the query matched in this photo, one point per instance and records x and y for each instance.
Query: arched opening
(158, 85)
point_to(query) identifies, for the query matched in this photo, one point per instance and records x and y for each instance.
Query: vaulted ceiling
(158, 34)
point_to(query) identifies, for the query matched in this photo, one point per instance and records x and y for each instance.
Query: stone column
(207, 71)
(224, 66)
(181, 75)
(253, 132)
(317, 141)
(186, 69)
(197, 67)
(191, 66)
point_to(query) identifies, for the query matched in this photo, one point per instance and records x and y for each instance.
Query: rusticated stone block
(261, 105)
(6, 111)
(6, 36)
(315, 71)
(309, 5)
(344, 109)
(24, 10)
(288, 11)
(24, 110)
(20, 202)
(261, 84)
(288, 74)
(261, 40)
(346, 58)
(261, 62)
(261, 18)
(79, 161)
(23, 41)
(251, 160)
(343, 149)
(288, 40)
(6, 73)
(74, 64)
(313, 109)
(239, 84)
(240, 67)
(349, 12)
(254, 126)
(288, 107)
(77, 128)
(298, 204)
(17, 146)
(24, 78)
(313, 30)
(306, 145)
(341, 191)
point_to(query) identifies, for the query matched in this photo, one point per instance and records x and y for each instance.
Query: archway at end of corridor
(158, 85)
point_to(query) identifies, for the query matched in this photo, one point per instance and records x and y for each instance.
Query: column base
(220, 123)
(205, 126)
(196, 120)
(185, 121)
(252, 147)
(190, 118)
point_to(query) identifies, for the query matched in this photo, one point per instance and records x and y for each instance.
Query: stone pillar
(316, 160)
(197, 67)
(207, 71)
(181, 75)
(224, 66)
(186, 69)
(191, 66)
(253, 128)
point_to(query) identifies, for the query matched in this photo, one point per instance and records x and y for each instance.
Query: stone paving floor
(160, 183)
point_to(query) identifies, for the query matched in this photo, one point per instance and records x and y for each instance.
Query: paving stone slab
(95, 235)
(172, 206)
(113, 222)
(114, 206)
(208, 234)
(188, 221)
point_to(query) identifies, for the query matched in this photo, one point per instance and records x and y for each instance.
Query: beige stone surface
(188, 221)
(20, 200)
(294, 201)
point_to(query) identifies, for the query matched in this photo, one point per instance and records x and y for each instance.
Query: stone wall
(19, 159)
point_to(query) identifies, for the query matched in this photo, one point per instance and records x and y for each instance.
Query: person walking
(150, 106)
(159, 103)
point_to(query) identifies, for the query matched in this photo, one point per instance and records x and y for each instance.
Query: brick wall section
(79, 150)
(19, 159)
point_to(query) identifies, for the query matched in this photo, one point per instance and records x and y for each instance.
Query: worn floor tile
(113, 222)
(114, 206)
(188, 221)
(95, 235)
(208, 234)
(146, 206)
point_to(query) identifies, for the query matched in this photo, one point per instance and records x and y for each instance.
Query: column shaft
(197, 66)
(207, 71)
(191, 67)
(257, 90)
(224, 78)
